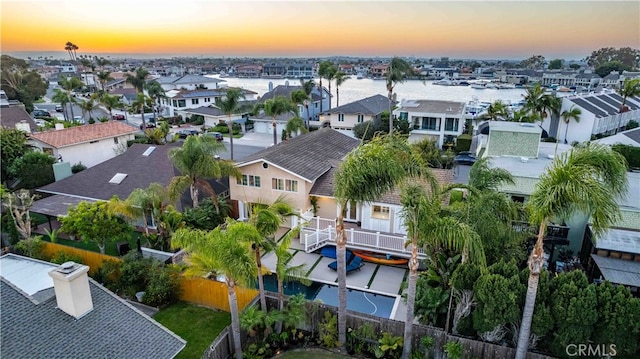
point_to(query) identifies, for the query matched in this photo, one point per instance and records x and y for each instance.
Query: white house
(433, 119)
(177, 100)
(345, 117)
(89, 145)
(312, 116)
(188, 82)
(600, 116)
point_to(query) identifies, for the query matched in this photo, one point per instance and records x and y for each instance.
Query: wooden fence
(199, 291)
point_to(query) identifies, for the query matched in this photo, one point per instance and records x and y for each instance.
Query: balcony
(556, 234)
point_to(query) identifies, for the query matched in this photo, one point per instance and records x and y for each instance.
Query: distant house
(345, 117)
(127, 95)
(180, 100)
(433, 119)
(188, 82)
(312, 117)
(297, 71)
(90, 144)
(600, 116)
(248, 70)
(274, 70)
(53, 311)
(17, 117)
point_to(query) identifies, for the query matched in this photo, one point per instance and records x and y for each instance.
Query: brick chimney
(71, 285)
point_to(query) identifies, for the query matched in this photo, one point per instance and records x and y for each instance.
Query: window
(381, 212)
(341, 117)
(115, 140)
(175, 103)
(404, 116)
(451, 124)
(280, 184)
(249, 180)
(182, 103)
(207, 99)
(360, 118)
(315, 104)
(194, 101)
(430, 123)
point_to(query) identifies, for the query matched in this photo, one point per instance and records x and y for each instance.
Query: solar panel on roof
(596, 101)
(589, 107)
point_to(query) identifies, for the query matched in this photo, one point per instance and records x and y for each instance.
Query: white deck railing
(323, 232)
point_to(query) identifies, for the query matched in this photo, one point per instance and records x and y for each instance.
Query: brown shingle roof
(80, 134)
(10, 116)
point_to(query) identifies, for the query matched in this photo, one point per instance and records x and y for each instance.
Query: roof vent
(524, 159)
(66, 267)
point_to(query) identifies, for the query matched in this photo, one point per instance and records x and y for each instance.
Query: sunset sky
(469, 29)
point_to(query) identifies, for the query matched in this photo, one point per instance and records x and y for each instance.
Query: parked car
(78, 119)
(37, 113)
(465, 158)
(148, 125)
(119, 117)
(217, 135)
(59, 108)
(187, 133)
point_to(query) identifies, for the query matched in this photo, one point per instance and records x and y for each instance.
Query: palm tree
(384, 161)
(307, 87)
(330, 76)
(61, 97)
(323, 71)
(497, 110)
(223, 252)
(156, 92)
(267, 219)
(71, 48)
(298, 97)
(588, 179)
(275, 107)
(103, 78)
(137, 79)
(630, 88)
(230, 105)
(427, 228)
(340, 78)
(140, 103)
(69, 84)
(110, 102)
(197, 163)
(87, 106)
(284, 272)
(397, 72)
(295, 125)
(86, 63)
(572, 113)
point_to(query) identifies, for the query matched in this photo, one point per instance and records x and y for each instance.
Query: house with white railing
(302, 171)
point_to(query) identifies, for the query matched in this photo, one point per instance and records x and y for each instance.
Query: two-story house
(345, 117)
(600, 115)
(433, 119)
(274, 70)
(90, 145)
(180, 100)
(188, 82)
(300, 71)
(311, 116)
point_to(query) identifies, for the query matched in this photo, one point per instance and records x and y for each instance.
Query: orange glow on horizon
(305, 28)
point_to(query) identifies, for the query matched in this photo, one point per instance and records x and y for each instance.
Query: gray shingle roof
(310, 155)
(10, 116)
(633, 134)
(373, 105)
(141, 171)
(187, 79)
(113, 329)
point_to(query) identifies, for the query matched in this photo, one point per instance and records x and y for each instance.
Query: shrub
(329, 330)
(163, 287)
(463, 142)
(631, 124)
(62, 257)
(453, 350)
(78, 167)
(91, 121)
(31, 247)
(135, 272)
(550, 139)
(197, 120)
(630, 153)
(109, 274)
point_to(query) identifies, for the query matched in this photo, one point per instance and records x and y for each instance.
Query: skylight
(118, 178)
(148, 151)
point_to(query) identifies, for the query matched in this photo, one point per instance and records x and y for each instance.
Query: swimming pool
(357, 300)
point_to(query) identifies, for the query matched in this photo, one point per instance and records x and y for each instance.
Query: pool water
(357, 300)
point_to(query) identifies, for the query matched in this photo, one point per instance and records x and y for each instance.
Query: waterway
(354, 89)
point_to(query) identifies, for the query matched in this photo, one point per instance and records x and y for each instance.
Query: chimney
(71, 285)
(59, 126)
(270, 86)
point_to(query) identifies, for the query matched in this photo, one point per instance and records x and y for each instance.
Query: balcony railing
(320, 232)
(553, 231)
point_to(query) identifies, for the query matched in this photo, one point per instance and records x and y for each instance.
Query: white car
(78, 119)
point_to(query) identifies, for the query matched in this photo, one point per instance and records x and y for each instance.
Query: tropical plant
(155, 92)
(31, 247)
(288, 273)
(197, 163)
(397, 72)
(275, 107)
(138, 78)
(307, 87)
(18, 204)
(388, 346)
(223, 252)
(63, 99)
(140, 103)
(230, 105)
(71, 49)
(324, 70)
(267, 219)
(572, 113)
(587, 179)
(142, 203)
(110, 102)
(384, 161)
(295, 125)
(497, 110)
(69, 84)
(87, 106)
(630, 88)
(340, 78)
(327, 330)
(103, 78)
(453, 350)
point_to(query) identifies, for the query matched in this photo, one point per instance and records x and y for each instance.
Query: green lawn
(310, 353)
(199, 326)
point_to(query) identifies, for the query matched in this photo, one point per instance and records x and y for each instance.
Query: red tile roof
(80, 134)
